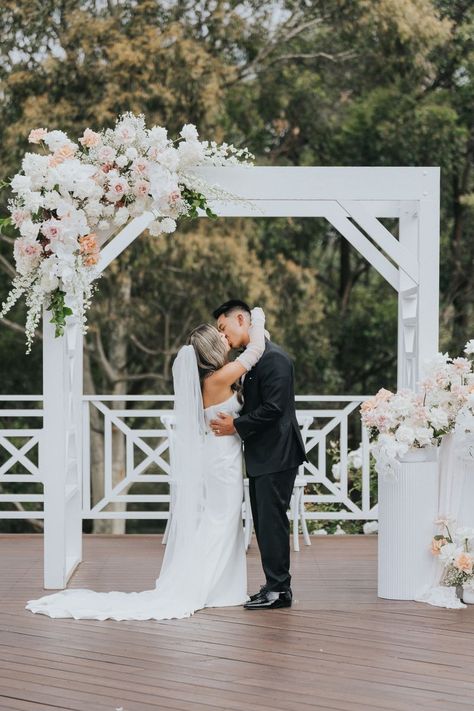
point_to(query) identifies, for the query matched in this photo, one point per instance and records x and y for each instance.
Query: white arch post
(352, 200)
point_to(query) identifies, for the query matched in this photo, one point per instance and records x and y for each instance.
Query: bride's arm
(229, 373)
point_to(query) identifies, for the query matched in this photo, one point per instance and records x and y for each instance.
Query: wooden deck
(338, 648)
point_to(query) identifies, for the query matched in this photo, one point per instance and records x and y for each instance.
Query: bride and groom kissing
(224, 410)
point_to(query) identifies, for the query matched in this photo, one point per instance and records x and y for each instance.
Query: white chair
(297, 498)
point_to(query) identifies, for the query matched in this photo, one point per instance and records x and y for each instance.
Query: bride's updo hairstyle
(211, 353)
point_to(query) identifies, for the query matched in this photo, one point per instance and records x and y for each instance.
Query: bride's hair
(211, 353)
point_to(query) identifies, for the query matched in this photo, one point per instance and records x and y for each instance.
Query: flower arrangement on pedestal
(455, 553)
(399, 421)
(70, 198)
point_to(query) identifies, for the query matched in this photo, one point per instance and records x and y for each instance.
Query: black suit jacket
(267, 423)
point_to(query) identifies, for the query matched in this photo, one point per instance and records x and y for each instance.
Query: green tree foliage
(332, 82)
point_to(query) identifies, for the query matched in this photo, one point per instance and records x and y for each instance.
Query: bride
(204, 563)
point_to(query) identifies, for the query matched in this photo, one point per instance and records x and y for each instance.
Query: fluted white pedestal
(466, 470)
(408, 506)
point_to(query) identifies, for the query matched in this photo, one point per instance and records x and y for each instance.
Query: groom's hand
(224, 425)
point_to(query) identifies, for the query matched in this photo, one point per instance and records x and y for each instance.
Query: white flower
(108, 210)
(106, 154)
(93, 208)
(320, 532)
(158, 136)
(336, 471)
(32, 201)
(191, 153)
(121, 216)
(21, 184)
(447, 553)
(438, 417)
(131, 153)
(51, 199)
(154, 228)
(189, 132)
(29, 229)
(121, 161)
(423, 435)
(36, 166)
(469, 347)
(169, 158)
(339, 531)
(370, 527)
(162, 182)
(168, 225)
(48, 281)
(354, 459)
(125, 132)
(56, 139)
(405, 434)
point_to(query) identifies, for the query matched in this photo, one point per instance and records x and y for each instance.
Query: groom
(273, 450)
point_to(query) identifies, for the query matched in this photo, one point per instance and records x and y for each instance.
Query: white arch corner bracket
(352, 200)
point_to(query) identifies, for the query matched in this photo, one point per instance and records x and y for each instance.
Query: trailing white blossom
(65, 201)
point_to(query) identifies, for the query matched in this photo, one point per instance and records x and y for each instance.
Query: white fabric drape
(452, 492)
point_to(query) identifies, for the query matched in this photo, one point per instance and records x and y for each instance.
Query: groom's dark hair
(229, 306)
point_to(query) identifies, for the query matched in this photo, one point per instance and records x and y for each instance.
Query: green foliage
(59, 311)
(357, 82)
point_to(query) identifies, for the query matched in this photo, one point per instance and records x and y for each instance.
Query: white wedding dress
(204, 563)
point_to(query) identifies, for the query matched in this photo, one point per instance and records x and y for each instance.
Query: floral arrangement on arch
(71, 197)
(455, 553)
(399, 421)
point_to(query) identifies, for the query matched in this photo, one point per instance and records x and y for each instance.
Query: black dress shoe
(260, 593)
(264, 602)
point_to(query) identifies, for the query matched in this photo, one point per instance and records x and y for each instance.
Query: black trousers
(270, 496)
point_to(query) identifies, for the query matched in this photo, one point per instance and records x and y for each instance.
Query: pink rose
(51, 229)
(464, 563)
(37, 135)
(89, 138)
(140, 166)
(107, 154)
(64, 153)
(19, 216)
(141, 188)
(437, 544)
(117, 189)
(174, 197)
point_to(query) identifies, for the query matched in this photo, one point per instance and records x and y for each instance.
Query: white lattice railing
(327, 423)
(19, 443)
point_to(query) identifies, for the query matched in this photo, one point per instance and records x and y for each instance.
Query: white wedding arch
(351, 199)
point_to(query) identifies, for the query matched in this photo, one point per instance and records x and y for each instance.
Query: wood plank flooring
(339, 648)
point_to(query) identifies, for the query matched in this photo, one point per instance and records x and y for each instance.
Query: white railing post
(60, 453)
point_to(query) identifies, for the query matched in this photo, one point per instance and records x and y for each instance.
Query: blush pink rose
(51, 229)
(19, 216)
(140, 166)
(437, 544)
(464, 563)
(64, 153)
(37, 135)
(89, 138)
(141, 188)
